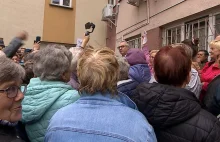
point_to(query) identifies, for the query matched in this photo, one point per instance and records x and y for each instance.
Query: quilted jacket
(175, 114)
(41, 101)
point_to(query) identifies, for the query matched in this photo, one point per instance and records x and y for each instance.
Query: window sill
(61, 6)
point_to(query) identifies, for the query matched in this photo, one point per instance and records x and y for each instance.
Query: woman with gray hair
(49, 91)
(11, 94)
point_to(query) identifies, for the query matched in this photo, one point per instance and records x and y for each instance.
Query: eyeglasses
(12, 91)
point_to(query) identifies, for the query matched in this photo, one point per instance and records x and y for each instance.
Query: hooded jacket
(140, 73)
(41, 101)
(176, 114)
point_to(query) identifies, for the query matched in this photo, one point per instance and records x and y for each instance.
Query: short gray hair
(76, 53)
(123, 68)
(10, 71)
(125, 42)
(187, 48)
(51, 62)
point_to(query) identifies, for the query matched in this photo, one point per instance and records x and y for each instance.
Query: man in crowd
(202, 57)
(123, 48)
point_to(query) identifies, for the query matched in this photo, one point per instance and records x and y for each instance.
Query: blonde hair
(153, 51)
(215, 44)
(98, 71)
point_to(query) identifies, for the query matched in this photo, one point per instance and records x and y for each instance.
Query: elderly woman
(49, 91)
(174, 112)
(98, 115)
(11, 94)
(211, 69)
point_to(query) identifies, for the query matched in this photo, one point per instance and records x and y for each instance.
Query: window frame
(134, 41)
(189, 31)
(61, 4)
(175, 29)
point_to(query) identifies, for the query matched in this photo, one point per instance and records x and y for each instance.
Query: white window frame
(61, 4)
(215, 24)
(207, 33)
(113, 2)
(135, 43)
(175, 28)
(210, 34)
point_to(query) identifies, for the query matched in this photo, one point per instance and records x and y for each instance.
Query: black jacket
(176, 114)
(212, 97)
(9, 134)
(128, 88)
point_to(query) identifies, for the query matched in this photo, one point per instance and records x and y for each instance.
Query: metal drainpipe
(148, 21)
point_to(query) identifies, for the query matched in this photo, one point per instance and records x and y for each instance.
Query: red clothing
(208, 73)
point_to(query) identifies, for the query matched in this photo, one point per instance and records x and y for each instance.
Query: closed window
(198, 29)
(63, 3)
(173, 35)
(134, 42)
(217, 25)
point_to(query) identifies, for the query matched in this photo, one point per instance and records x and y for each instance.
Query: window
(113, 2)
(173, 35)
(217, 25)
(63, 3)
(198, 29)
(135, 41)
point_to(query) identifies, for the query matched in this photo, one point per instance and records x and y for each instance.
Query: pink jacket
(146, 53)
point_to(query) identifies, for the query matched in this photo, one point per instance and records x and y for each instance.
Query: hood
(164, 105)
(41, 95)
(140, 73)
(135, 56)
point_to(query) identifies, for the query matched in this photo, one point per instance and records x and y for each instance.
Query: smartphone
(38, 38)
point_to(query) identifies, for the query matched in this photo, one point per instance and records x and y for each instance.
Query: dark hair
(29, 57)
(172, 66)
(205, 52)
(193, 46)
(29, 74)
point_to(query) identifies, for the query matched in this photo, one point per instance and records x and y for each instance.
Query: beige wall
(17, 15)
(91, 11)
(59, 23)
(161, 13)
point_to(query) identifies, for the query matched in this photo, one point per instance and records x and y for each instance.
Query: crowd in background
(86, 93)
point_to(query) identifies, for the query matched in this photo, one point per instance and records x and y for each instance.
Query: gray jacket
(13, 47)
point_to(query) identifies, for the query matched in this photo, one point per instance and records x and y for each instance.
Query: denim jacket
(99, 118)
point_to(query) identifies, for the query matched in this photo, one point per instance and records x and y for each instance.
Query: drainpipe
(148, 21)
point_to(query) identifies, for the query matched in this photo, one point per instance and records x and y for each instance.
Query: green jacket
(41, 102)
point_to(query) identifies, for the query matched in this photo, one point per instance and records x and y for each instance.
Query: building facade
(166, 22)
(55, 21)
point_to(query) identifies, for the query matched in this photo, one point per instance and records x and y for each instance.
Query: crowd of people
(88, 94)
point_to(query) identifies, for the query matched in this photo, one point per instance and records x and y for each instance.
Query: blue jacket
(41, 101)
(99, 118)
(140, 73)
(128, 87)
